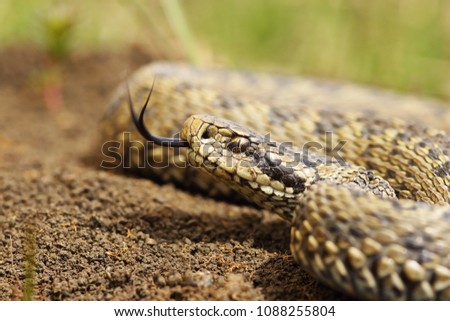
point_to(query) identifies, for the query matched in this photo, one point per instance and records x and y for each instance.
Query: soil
(71, 231)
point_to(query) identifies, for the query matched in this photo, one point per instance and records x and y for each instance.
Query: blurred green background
(400, 44)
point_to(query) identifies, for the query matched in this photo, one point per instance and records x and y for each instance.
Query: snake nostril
(205, 135)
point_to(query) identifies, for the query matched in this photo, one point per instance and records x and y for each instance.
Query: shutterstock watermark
(129, 153)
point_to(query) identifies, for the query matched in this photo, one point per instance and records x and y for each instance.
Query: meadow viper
(365, 184)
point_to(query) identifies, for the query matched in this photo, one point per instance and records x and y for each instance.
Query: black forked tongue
(139, 123)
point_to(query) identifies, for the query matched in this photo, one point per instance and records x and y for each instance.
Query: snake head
(264, 171)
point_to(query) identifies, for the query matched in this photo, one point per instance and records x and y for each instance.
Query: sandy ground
(71, 231)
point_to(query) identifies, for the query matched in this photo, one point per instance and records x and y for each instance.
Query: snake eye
(238, 145)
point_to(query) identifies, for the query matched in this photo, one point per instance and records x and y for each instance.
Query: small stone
(160, 280)
(150, 241)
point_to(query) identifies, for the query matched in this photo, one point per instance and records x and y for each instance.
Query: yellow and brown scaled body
(348, 227)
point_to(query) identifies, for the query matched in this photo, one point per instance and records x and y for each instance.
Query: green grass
(401, 44)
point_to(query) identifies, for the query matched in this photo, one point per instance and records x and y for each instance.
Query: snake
(363, 181)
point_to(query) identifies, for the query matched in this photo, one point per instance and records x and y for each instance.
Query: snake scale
(370, 218)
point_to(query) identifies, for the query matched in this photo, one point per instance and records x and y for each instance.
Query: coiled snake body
(374, 223)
